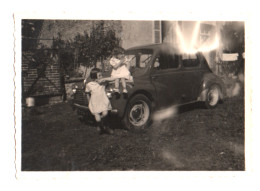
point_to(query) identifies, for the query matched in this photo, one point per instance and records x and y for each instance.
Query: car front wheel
(212, 97)
(138, 112)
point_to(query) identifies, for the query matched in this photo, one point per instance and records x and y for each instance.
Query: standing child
(99, 103)
(120, 71)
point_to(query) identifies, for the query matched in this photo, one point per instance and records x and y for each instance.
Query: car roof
(156, 47)
(163, 47)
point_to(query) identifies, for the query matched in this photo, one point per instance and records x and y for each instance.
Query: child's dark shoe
(106, 130)
(125, 94)
(102, 131)
(117, 93)
(109, 131)
(98, 129)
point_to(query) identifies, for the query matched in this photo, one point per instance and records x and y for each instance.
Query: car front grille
(80, 97)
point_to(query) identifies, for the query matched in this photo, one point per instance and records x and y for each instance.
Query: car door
(191, 77)
(165, 75)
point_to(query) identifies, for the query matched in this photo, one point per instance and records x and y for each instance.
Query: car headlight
(74, 88)
(109, 92)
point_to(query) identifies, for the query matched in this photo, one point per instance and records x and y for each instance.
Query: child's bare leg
(105, 123)
(98, 120)
(97, 117)
(104, 114)
(116, 85)
(100, 125)
(124, 85)
(104, 118)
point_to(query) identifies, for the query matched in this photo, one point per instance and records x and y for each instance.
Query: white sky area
(132, 10)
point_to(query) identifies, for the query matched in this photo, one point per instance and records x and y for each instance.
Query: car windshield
(138, 61)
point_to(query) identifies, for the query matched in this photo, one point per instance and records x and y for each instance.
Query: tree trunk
(62, 79)
(102, 64)
(95, 63)
(75, 58)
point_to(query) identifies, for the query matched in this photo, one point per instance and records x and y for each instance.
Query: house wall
(34, 85)
(168, 32)
(187, 29)
(135, 33)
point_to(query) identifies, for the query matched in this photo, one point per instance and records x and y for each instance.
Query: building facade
(130, 33)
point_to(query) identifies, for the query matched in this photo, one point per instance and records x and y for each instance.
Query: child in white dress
(99, 103)
(120, 71)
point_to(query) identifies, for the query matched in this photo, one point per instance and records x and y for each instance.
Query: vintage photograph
(132, 95)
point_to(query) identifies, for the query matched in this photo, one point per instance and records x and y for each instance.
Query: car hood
(138, 72)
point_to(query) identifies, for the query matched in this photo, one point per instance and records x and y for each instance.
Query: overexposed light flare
(165, 113)
(195, 34)
(210, 47)
(193, 46)
(183, 44)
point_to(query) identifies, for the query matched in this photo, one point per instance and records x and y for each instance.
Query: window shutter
(157, 32)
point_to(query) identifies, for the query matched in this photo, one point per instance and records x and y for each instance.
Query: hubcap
(139, 113)
(213, 96)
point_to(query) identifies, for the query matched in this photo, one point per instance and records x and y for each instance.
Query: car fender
(140, 87)
(207, 81)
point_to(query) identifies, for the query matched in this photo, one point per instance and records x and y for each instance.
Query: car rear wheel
(138, 112)
(212, 97)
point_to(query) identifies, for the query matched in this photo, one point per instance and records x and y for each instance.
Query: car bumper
(78, 106)
(85, 108)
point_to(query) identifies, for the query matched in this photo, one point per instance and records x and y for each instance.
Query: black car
(163, 76)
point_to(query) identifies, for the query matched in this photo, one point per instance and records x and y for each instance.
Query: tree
(30, 32)
(233, 37)
(86, 49)
(98, 45)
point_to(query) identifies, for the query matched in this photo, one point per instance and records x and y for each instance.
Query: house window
(157, 32)
(205, 32)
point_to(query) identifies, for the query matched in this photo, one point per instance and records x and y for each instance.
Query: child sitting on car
(119, 71)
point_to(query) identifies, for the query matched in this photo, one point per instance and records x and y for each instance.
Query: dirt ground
(54, 139)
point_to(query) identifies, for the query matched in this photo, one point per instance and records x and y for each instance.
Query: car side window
(167, 61)
(144, 60)
(190, 60)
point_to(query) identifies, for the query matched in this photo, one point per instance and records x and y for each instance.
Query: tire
(212, 97)
(138, 113)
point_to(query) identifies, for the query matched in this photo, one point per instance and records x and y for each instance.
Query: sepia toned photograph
(132, 95)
